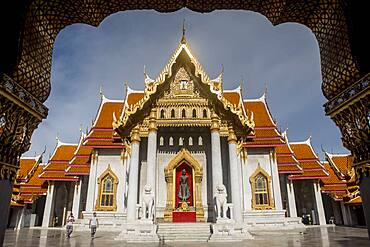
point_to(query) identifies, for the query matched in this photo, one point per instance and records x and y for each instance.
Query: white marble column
(234, 176)
(49, 205)
(247, 190)
(346, 217)
(76, 199)
(275, 181)
(319, 204)
(152, 151)
(123, 182)
(133, 176)
(216, 153)
(91, 189)
(291, 198)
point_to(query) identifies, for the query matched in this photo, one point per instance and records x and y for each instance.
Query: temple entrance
(184, 176)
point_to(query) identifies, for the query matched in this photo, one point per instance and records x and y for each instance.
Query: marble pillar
(234, 177)
(275, 181)
(133, 176)
(152, 151)
(49, 205)
(216, 153)
(76, 199)
(91, 189)
(344, 214)
(291, 199)
(319, 204)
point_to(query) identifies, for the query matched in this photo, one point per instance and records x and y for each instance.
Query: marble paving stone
(314, 236)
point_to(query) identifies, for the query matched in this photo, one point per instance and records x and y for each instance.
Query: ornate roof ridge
(167, 71)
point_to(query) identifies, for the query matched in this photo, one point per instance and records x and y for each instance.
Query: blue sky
(284, 59)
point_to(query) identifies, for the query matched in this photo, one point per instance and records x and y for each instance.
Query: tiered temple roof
(101, 134)
(80, 161)
(27, 185)
(286, 160)
(55, 170)
(308, 160)
(340, 184)
(266, 132)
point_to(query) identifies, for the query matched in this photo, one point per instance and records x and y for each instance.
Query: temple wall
(256, 156)
(110, 157)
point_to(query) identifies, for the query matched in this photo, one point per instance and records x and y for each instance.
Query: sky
(283, 60)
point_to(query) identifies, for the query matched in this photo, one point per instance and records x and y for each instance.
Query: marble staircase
(184, 232)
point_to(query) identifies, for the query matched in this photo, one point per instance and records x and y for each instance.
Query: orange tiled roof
(332, 183)
(59, 162)
(262, 116)
(342, 164)
(25, 165)
(286, 161)
(63, 152)
(308, 160)
(30, 185)
(232, 96)
(78, 170)
(134, 97)
(266, 133)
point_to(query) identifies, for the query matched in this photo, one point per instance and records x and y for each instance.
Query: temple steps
(189, 232)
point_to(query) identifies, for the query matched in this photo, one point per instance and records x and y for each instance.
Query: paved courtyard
(314, 236)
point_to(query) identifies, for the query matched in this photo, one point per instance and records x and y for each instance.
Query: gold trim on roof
(215, 86)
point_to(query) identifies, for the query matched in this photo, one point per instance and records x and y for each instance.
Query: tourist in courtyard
(69, 225)
(93, 224)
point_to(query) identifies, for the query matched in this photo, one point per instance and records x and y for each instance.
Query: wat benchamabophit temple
(185, 150)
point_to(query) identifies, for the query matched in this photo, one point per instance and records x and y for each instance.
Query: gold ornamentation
(170, 175)
(260, 172)
(135, 137)
(152, 120)
(102, 193)
(232, 137)
(215, 126)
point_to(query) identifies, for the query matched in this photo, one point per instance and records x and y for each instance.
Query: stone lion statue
(221, 201)
(147, 202)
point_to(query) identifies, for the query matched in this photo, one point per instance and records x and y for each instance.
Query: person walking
(93, 224)
(69, 225)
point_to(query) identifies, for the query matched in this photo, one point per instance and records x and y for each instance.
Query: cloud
(284, 57)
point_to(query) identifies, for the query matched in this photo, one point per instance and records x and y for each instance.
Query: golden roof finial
(183, 39)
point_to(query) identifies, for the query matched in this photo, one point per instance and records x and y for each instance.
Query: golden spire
(183, 39)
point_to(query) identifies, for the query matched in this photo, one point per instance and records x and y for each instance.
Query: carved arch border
(271, 205)
(98, 206)
(183, 156)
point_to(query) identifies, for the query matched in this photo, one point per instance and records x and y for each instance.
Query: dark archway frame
(33, 25)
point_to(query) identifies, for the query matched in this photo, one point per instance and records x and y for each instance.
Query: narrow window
(161, 141)
(190, 141)
(205, 113)
(162, 114)
(170, 141)
(172, 113)
(200, 141)
(181, 141)
(183, 113)
(107, 193)
(194, 113)
(260, 183)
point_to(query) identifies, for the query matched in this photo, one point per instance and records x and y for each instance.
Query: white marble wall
(267, 161)
(105, 158)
